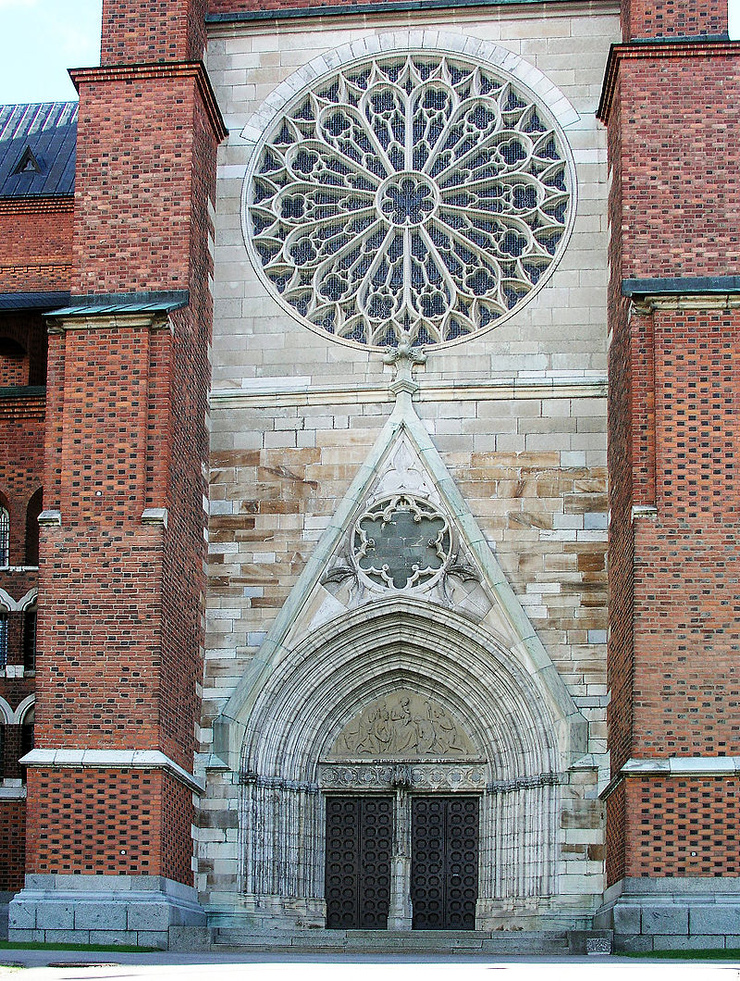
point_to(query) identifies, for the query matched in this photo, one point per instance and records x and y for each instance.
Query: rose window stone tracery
(401, 542)
(417, 193)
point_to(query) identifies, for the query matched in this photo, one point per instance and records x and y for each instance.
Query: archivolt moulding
(394, 651)
(399, 643)
(435, 41)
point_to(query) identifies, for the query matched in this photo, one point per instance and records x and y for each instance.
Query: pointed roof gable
(38, 145)
(298, 615)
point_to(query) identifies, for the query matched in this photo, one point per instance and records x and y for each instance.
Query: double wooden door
(359, 844)
(444, 862)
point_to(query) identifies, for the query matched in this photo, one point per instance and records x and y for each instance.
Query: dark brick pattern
(12, 844)
(112, 822)
(682, 827)
(673, 18)
(674, 640)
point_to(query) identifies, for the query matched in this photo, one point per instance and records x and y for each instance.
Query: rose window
(418, 194)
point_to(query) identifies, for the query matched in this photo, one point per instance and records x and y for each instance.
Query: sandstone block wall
(518, 415)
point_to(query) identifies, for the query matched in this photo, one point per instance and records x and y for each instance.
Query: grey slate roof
(49, 131)
(32, 301)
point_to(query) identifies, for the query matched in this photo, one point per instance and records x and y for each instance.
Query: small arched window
(34, 509)
(4, 536)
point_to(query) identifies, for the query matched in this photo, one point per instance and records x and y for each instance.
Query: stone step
(388, 941)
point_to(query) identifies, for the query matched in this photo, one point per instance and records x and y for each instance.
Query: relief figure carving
(404, 726)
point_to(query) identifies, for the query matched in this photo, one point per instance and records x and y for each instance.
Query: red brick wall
(21, 466)
(687, 611)
(35, 245)
(135, 31)
(682, 826)
(26, 331)
(134, 162)
(680, 200)
(618, 834)
(184, 546)
(620, 647)
(673, 18)
(674, 638)
(12, 844)
(115, 822)
(13, 363)
(120, 602)
(99, 674)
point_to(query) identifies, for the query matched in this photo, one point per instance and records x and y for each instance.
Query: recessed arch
(348, 663)
(6, 712)
(22, 711)
(33, 510)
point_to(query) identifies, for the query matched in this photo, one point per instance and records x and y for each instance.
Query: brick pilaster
(121, 567)
(670, 102)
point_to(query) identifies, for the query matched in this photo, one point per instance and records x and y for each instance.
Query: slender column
(400, 911)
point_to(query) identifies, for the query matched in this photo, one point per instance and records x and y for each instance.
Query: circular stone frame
(396, 207)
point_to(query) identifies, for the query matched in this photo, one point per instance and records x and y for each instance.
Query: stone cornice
(675, 766)
(108, 321)
(112, 759)
(301, 391)
(175, 69)
(684, 766)
(682, 286)
(652, 51)
(700, 301)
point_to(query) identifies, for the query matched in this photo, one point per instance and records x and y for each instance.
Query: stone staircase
(392, 942)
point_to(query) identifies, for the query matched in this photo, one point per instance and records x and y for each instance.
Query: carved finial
(404, 357)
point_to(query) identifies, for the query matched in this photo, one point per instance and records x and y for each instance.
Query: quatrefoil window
(401, 542)
(419, 192)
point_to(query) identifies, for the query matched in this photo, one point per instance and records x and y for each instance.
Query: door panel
(444, 862)
(359, 838)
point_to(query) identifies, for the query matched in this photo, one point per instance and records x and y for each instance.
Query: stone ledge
(135, 910)
(695, 913)
(141, 759)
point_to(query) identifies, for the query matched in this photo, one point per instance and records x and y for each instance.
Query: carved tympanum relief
(403, 725)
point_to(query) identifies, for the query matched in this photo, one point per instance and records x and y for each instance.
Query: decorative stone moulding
(418, 194)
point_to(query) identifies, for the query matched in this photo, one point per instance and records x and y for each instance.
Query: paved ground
(50, 966)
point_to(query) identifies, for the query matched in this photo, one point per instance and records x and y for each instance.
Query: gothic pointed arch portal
(400, 701)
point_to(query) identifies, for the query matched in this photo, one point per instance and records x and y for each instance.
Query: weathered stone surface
(715, 918)
(666, 919)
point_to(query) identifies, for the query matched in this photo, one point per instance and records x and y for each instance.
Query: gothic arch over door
(298, 748)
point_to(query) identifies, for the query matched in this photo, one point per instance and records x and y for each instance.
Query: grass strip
(731, 954)
(91, 948)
